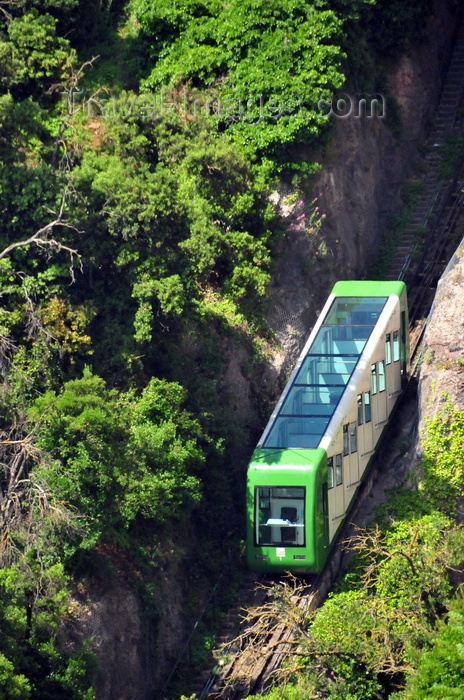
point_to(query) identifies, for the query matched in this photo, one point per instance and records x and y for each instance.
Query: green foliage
(183, 220)
(372, 630)
(440, 673)
(32, 664)
(116, 456)
(12, 685)
(303, 689)
(175, 228)
(36, 51)
(442, 468)
(278, 60)
(26, 178)
(451, 156)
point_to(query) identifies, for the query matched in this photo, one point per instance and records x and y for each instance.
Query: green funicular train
(317, 445)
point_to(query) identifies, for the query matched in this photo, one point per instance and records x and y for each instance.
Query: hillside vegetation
(139, 144)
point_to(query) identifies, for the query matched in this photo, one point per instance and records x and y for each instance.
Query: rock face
(115, 621)
(442, 370)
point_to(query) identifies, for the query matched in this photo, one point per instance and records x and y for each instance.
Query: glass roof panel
(316, 390)
(360, 311)
(326, 369)
(297, 432)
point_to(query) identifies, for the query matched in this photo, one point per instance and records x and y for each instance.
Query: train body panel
(316, 447)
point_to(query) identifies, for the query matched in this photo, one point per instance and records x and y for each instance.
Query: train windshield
(279, 516)
(310, 401)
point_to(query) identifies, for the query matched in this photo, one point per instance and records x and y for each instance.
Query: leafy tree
(12, 685)
(366, 637)
(268, 63)
(440, 673)
(180, 219)
(36, 52)
(116, 457)
(32, 664)
(172, 224)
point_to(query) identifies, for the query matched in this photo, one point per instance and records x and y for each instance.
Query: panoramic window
(309, 402)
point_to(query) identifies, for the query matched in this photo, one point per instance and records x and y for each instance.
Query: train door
(404, 347)
(350, 453)
(364, 434)
(336, 495)
(389, 370)
(382, 395)
(325, 514)
(378, 393)
(396, 356)
(368, 436)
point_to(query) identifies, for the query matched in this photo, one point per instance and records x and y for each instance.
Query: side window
(388, 349)
(353, 438)
(338, 470)
(346, 443)
(330, 473)
(360, 409)
(381, 367)
(373, 379)
(396, 346)
(367, 406)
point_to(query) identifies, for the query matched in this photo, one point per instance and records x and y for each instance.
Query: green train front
(287, 517)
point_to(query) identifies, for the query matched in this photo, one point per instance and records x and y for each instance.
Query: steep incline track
(439, 195)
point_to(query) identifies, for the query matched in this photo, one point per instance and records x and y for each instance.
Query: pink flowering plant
(308, 218)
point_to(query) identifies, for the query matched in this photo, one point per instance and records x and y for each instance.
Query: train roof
(368, 288)
(326, 365)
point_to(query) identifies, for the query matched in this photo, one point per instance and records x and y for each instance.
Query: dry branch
(41, 240)
(28, 508)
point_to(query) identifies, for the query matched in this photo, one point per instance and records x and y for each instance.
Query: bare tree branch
(3, 5)
(28, 508)
(70, 89)
(7, 350)
(39, 238)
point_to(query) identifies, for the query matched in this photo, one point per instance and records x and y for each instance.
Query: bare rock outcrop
(442, 370)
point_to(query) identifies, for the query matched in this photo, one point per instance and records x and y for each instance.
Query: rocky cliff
(442, 369)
